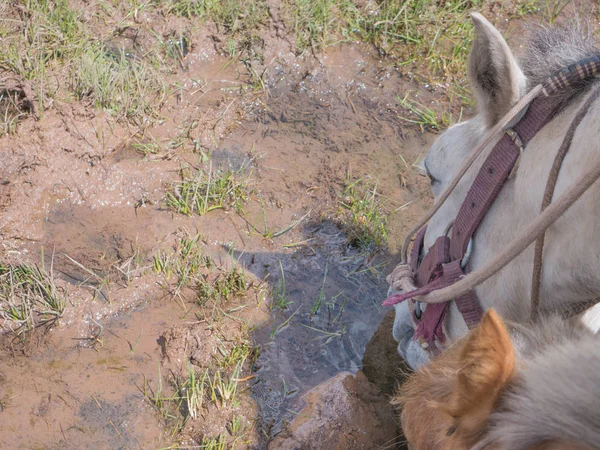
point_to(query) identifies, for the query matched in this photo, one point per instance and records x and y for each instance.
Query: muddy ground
(81, 197)
(76, 192)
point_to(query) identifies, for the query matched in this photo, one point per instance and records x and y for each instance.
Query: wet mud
(77, 197)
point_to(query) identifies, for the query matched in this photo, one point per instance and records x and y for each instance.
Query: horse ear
(494, 73)
(486, 366)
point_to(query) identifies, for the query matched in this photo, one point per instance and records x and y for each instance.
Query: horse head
(498, 80)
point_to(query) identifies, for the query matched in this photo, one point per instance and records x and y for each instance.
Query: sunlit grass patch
(222, 286)
(414, 30)
(123, 85)
(45, 33)
(232, 15)
(438, 34)
(426, 118)
(317, 23)
(434, 36)
(360, 215)
(28, 297)
(201, 191)
(47, 41)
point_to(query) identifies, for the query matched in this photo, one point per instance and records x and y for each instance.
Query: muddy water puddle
(81, 392)
(325, 310)
(320, 125)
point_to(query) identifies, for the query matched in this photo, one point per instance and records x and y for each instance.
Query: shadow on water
(325, 306)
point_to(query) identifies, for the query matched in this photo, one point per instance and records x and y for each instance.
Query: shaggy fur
(553, 400)
(556, 397)
(551, 49)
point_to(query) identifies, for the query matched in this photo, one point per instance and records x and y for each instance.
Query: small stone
(345, 413)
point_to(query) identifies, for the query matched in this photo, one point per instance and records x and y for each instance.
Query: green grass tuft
(123, 85)
(48, 40)
(361, 217)
(232, 15)
(46, 33)
(185, 263)
(280, 297)
(316, 23)
(223, 286)
(28, 297)
(425, 117)
(201, 191)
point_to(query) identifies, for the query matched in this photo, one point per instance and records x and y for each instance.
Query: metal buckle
(519, 143)
(465, 260)
(515, 138)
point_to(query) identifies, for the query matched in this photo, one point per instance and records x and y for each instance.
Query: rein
(536, 280)
(439, 277)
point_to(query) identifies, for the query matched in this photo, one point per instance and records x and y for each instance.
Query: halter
(446, 261)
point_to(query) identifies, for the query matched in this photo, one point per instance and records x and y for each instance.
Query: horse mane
(550, 49)
(556, 396)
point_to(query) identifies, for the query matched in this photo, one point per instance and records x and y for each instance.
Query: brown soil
(345, 413)
(382, 363)
(75, 194)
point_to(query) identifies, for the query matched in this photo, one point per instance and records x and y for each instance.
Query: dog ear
(486, 366)
(495, 76)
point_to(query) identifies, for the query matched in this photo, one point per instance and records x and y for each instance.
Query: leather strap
(494, 172)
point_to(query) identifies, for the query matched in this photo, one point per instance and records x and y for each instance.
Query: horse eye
(432, 179)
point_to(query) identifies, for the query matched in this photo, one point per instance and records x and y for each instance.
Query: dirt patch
(71, 396)
(82, 194)
(382, 363)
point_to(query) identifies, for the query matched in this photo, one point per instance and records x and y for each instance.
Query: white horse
(571, 258)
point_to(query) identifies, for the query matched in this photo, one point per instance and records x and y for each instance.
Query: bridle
(440, 275)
